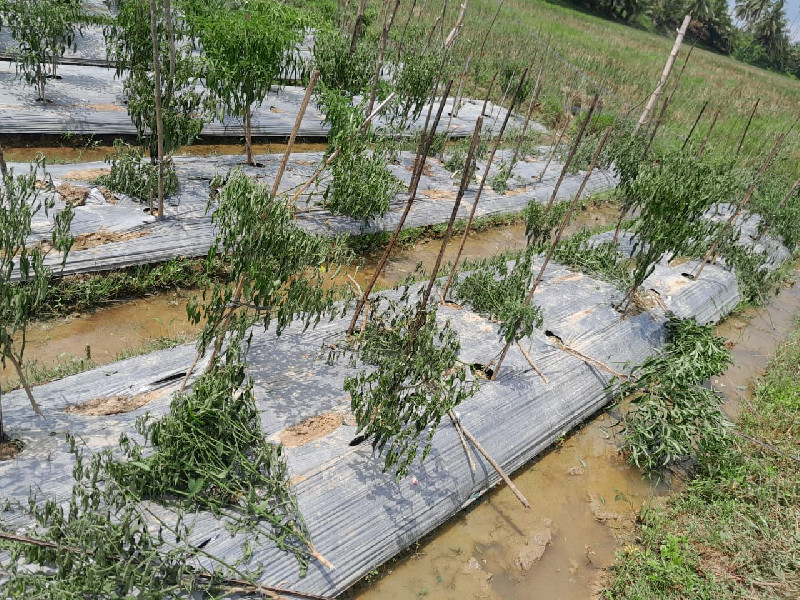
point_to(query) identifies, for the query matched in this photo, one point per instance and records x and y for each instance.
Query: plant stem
(379, 63)
(696, 121)
(708, 135)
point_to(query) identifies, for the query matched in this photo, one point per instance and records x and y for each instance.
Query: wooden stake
(159, 115)
(665, 73)
(531, 363)
(528, 115)
(696, 121)
(496, 467)
(460, 431)
(747, 127)
(711, 254)
(3, 166)
(379, 63)
(419, 163)
(462, 188)
(708, 135)
(567, 218)
(290, 144)
(573, 151)
(362, 7)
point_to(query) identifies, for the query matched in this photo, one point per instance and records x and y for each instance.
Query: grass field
(733, 533)
(627, 62)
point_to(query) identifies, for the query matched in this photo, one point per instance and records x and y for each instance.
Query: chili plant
(400, 399)
(673, 415)
(25, 278)
(210, 452)
(45, 29)
(673, 195)
(183, 106)
(281, 272)
(132, 176)
(245, 47)
(498, 289)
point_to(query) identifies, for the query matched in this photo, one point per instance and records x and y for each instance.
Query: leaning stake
(572, 152)
(567, 218)
(419, 164)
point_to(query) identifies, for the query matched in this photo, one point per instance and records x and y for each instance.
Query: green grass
(628, 62)
(733, 533)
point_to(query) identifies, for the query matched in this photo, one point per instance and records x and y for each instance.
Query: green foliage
(129, 44)
(732, 530)
(540, 223)
(104, 545)
(780, 215)
(400, 400)
(23, 197)
(673, 194)
(209, 452)
(132, 176)
(245, 47)
(284, 270)
(339, 69)
(603, 261)
(672, 415)
(498, 289)
(361, 187)
(45, 29)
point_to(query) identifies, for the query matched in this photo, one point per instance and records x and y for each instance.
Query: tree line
(757, 32)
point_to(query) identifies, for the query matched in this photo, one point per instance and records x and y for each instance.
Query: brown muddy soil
(311, 429)
(91, 152)
(114, 405)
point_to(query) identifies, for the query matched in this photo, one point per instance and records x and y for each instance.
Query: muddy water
(583, 498)
(756, 333)
(125, 327)
(492, 242)
(108, 332)
(97, 153)
(580, 492)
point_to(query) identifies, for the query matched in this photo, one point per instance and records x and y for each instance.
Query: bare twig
(531, 363)
(290, 144)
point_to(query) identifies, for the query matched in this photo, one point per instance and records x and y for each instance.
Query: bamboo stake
(665, 73)
(712, 250)
(708, 135)
(572, 152)
(290, 144)
(696, 121)
(567, 218)
(159, 115)
(747, 127)
(451, 38)
(528, 115)
(531, 363)
(486, 37)
(559, 139)
(419, 163)
(379, 63)
(462, 188)
(479, 193)
(460, 431)
(497, 467)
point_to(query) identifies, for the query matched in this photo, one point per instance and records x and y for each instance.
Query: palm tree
(750, 11)
(770, 30)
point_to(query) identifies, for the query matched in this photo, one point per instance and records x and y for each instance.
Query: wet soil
(107, 332)
(91, 152)
(311, 429)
